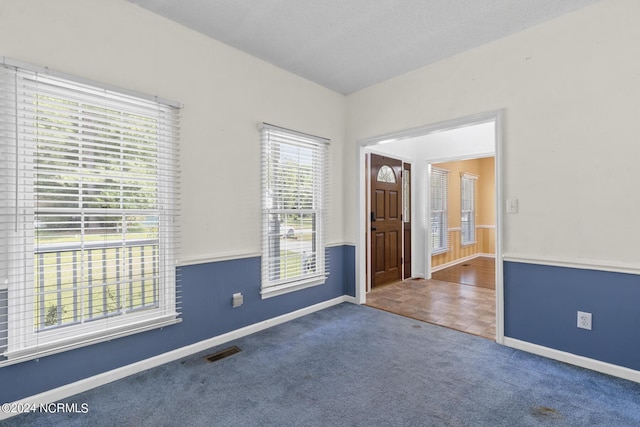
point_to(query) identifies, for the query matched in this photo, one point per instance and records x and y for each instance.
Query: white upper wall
(406, 150)
(571, 93)
(570, 89)
(467, 142)
(224, 91)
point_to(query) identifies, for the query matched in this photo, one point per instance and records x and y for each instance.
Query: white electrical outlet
(237, 300)
(584, 320)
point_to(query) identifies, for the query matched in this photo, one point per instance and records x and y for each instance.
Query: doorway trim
(496, 117)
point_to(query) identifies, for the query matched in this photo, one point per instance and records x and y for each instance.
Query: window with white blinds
(88, 197)
(294, 202)
(439, 214)
(468, 208)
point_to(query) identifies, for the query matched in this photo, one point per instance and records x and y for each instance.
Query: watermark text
(47, 408)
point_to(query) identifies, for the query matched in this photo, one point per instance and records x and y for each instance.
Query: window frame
(24, 340)
(442, 213)
(273, 139)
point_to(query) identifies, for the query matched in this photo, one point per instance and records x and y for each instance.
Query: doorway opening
(458, 245)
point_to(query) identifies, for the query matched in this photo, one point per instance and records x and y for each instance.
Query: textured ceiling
(347, 45)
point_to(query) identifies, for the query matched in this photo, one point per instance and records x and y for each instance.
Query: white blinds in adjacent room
(294, 202)
(88, 197)
(439, 214)
(468, 208)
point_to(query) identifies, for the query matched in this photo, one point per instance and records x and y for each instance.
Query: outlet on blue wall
(541, 303)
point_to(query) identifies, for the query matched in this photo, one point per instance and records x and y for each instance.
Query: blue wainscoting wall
(206, 312)
(541, 304)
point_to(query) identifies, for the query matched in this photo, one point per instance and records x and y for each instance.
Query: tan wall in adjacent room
(485, 210)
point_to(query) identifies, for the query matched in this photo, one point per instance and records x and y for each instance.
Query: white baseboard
(85, 384)
(452, 263)
(486, 255)
(573, 359)
(460, 261)
(350, 299)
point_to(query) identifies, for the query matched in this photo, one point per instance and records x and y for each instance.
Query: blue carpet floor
(353, 365)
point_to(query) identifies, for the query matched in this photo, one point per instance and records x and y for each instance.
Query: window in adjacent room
(468, 208)
(439, 204)
(294, 186)
(88, 196)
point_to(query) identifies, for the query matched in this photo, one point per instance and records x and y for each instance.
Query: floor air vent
(222, 354)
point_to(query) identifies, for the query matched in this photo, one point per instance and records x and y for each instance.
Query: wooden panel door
(386, 220)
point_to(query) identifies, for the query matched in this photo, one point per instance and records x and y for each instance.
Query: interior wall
(484, 205)
(487, 209)
(570, 92)
(487, 191)
(473, 141)
(225, 93)
(570, 89)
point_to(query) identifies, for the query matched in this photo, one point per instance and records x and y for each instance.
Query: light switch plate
(512, 206)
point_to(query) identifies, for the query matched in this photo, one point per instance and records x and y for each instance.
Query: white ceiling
(347, 45)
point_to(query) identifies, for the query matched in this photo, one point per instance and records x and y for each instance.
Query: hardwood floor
(468, 307)
(479, 271)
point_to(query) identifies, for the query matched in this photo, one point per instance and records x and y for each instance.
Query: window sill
(464, 244)
(274, 291)
(439, 252)
(30, 353)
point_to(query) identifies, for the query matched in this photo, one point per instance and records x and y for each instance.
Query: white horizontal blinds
(11, 228)
(439, 214)
(97, 193)
(468, 210)
(294, 207)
